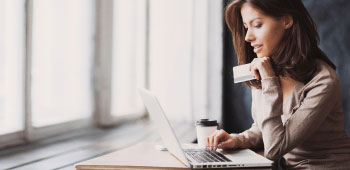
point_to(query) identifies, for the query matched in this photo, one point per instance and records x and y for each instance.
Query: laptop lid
(163, 127)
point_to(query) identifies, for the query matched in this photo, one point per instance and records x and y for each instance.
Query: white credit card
(242, 73)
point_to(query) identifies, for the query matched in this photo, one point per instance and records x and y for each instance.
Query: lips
(257, 48)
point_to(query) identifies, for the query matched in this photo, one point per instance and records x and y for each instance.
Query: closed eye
(258, 25)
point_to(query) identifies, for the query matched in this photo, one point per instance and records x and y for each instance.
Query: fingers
(207, 142)
(219, 137)
(214, 140)
(211, 140)
(255, 69)
(261, 68)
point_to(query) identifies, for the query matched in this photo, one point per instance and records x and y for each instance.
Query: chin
(260, 55)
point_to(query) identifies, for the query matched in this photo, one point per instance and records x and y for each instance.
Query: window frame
(103, 66)
(101, 72)
(100, 79)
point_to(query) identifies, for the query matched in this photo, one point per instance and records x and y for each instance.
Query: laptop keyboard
(204, 156)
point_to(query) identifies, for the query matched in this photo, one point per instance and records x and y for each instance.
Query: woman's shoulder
(326, 70)
(325, 75)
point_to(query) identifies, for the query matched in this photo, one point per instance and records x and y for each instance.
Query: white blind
(186, 57)
(129, 52)
(11, 65)
(170, 56)
(61, 60)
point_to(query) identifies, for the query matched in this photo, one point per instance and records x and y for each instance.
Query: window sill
(63, 152)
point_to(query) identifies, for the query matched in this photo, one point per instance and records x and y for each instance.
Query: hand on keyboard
(220, 139)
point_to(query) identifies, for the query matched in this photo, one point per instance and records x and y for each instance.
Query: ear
(287, 21)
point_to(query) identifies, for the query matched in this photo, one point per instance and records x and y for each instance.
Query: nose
(249, 37)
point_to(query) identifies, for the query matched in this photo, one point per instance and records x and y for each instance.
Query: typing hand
(220, 139)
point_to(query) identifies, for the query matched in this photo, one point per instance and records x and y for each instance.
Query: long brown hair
(296, 55)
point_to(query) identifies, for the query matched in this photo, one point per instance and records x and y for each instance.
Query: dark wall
(236, 97)
(333, 21)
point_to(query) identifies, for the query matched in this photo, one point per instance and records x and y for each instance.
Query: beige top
(307, 129)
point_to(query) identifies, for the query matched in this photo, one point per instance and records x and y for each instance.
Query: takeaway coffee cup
(205, 128)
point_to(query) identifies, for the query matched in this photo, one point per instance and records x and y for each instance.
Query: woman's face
(264, 33)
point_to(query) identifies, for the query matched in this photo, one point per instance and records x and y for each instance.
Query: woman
(296, 99)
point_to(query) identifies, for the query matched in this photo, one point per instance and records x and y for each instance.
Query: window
(67, 63)
(129, 56)
(62, 56)
(47, 65)
(185, 56)
(171, 57)
(12, 29)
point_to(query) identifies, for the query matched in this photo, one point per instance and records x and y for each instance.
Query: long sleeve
(317, 103)
(250, 138)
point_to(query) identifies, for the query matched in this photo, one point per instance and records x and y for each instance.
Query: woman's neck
(287, 84)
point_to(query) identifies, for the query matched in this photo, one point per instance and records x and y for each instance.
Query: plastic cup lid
(206, 122)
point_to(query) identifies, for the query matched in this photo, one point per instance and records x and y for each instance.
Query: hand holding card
(242, 73)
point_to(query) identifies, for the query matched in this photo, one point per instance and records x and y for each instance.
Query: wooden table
(142, 156)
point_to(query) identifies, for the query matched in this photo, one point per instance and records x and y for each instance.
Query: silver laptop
(195, 157)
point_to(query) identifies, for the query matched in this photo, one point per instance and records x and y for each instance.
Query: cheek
(271, 39)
